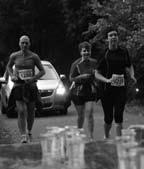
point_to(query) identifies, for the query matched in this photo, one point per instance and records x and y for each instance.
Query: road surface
(13, 136)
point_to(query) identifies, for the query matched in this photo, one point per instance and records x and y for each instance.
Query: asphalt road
(11, 133)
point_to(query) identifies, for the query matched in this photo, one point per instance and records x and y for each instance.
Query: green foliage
(128, 17)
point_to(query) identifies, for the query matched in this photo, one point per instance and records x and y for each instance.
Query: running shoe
(23, 138)
(108, 140)
(30, 137)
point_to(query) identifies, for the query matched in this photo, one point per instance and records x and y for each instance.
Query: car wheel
(38, 113)
(64, 111)
(11, 112)
(11, 108)
(38, 109)
(3, 109)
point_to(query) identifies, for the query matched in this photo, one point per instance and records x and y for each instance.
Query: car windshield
(50, 73)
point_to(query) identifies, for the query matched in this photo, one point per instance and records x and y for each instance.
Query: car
(54, 94)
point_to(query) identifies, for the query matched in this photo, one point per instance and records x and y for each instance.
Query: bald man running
(21, 68)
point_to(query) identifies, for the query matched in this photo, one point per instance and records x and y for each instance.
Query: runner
(21, 68)
(84, 86)
(114, 65)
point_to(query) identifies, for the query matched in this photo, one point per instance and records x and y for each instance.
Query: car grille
(45, 105)
(45, 93)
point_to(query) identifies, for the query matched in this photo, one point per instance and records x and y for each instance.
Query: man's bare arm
(40, 67)
(10, 65)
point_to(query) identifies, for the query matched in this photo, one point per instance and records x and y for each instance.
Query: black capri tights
(113, 103)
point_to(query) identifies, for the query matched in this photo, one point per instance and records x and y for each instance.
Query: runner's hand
(109, 80)
(134, 79)
(14, 78)
(86, 76)
(32, 80)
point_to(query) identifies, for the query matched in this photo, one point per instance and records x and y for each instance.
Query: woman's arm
(130, 70)
(82, 78)
(74, 74)
(100, 77)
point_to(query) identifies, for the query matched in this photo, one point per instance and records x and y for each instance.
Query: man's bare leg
(30, 118)
(22, 117)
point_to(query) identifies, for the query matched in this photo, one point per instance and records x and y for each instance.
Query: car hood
(47, 84)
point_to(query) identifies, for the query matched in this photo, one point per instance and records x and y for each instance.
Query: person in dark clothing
(114, 65)
(84, 86)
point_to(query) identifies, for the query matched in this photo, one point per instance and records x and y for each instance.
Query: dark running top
(79, 67)
(82, 67)
(115, 62)
(74, 64)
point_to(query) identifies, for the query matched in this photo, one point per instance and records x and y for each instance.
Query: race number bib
(118, 80)
(25, 74)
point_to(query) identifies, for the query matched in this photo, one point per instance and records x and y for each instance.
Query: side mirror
(63, 77)
(2, 80)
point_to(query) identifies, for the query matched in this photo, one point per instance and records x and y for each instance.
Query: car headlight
(60, 90)
(137, 89)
